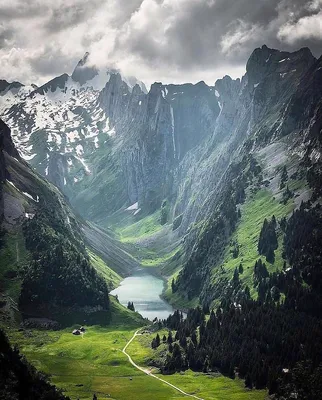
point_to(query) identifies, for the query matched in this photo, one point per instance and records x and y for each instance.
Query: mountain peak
(5, 85)
(83, 73)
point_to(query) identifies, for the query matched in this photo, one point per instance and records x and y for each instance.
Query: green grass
(260, 206)
(154, 260)
(141, 229)
(207, 386)
(94, 363)
(91, 364)
(122, 316)
(214, 386)
(111, 277)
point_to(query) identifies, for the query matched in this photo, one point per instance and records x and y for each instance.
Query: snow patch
(72, 135)
(134, 206)
(111, 132)
(220, 107)
(284, 59)
(28, 157)
(87, 170)
(79, 150)
(12, 184)
(30, 197)
(29, 215)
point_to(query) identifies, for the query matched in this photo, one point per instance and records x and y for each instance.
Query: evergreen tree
(287, 194)
(236, 277)
(267, 242)
(240, 268)
(173, 286)
(284, 177)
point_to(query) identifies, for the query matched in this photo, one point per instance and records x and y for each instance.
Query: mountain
(218, 187)
(194, 157)
(46, 270)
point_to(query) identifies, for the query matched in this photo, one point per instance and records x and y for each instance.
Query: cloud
(167, 40)
(308, 27)
(236, 38)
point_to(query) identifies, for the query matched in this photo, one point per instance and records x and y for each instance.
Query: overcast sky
(154, 40)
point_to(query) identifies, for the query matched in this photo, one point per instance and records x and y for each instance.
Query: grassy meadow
(94, 363)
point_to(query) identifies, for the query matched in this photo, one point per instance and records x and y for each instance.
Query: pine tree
(206, 309)
(173, 286)
(267, 242)
(247, 292)
(194, 338)
(236, 277)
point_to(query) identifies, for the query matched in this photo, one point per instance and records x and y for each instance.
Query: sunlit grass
(262, 205)
(206, 386)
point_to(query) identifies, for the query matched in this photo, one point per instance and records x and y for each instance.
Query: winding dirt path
(149, 373)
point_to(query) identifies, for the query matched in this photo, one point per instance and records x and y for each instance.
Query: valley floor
(95, 363)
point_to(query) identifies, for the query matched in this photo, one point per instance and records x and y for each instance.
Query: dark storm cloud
(51, 61)
(152, 39)
(209, 33)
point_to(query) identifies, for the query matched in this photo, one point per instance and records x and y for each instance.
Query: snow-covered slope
(58, 126)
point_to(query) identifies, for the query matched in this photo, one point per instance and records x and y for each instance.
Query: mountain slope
(45, 267)
(258, 133)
